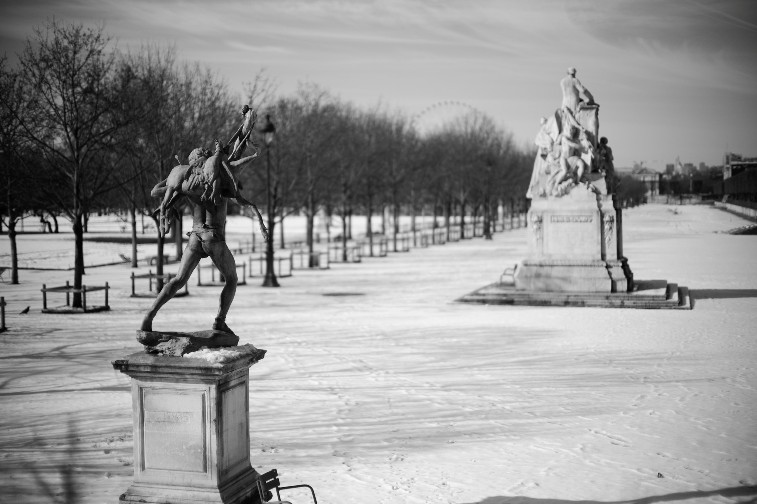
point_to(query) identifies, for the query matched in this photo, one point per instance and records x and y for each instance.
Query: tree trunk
(447, 216)
(344, 235)
(435, 223)
(133, 215)
(462, 219)
(412, 217)
(395, 224)
(349, 224)
(487, 219)
(14, 250)
(369, 225)
(283, 244)
(310, 218)
(78, 257)
(270, 279)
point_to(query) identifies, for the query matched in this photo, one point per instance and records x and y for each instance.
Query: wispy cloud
(688, 63)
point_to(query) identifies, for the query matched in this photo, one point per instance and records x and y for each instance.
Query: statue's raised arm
(210, 176)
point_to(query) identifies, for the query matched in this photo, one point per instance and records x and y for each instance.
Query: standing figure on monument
(606, 165)
(574, 93)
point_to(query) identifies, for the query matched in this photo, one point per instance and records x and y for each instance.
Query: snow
(222, 355)
(378, 388)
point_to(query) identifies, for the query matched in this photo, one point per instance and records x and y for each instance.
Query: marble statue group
(568, 148)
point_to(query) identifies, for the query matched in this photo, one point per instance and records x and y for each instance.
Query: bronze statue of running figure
(209, 201)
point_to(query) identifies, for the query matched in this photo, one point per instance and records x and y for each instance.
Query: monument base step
(241, 490)
(646, 294)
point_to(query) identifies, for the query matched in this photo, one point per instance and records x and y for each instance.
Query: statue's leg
(189, 261)
(223, 259)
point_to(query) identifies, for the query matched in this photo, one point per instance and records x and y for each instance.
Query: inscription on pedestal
(571, 236)
(571, 218)
(173, 430)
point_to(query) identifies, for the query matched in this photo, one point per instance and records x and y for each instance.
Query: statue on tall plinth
(572, 244)
(575, 236)
(208, 181)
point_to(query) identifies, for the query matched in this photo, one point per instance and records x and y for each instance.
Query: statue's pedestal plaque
(191, 429)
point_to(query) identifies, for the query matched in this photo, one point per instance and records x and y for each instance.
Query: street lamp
(269, 130)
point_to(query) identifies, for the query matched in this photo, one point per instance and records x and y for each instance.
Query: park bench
(402, 243)
(508, 276)
(366, 248)
(425, 240)
(2, 315)
(153, 259)
(153, 281)
(241, 279)
(469, 231)
(302, 259)
(336, 253)
(454, 234)
(270, 481)
(439, 236)
(245, 247)
(68, 290)
(283, 265)
(478, 228)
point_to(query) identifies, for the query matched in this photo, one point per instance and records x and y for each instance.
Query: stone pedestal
(572, 244)
(191, 429)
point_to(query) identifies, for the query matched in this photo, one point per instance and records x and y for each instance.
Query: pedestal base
(237, 491)
(563, 276)
(646, 294)
(572, 276)
(191, 428)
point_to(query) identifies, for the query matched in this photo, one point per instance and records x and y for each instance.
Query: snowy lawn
(378, 388)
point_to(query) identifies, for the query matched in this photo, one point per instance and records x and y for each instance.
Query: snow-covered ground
(378, 388)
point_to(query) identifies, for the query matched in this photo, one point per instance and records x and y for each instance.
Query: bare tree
(14, 175)
(67, 74)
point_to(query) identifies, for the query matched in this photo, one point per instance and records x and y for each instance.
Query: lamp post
(269, 130)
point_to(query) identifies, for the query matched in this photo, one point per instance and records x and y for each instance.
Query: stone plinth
(191, 429)
(572, 245)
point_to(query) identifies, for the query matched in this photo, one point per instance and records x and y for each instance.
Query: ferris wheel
(442, 115)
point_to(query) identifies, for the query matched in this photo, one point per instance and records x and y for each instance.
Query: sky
(674, 78)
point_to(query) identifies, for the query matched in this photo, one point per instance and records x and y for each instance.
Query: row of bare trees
(86, 127)
(331, 156)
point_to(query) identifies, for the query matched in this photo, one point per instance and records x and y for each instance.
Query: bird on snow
(25, 310)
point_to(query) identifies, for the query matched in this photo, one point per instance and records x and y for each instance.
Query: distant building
(739, 181)
(670, 169)
(736, 163)
(649, 177)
